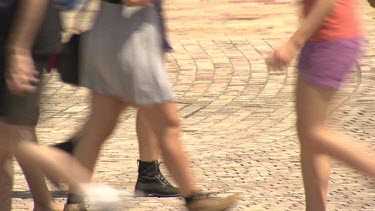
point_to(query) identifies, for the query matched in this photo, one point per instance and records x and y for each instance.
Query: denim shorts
(326, 63)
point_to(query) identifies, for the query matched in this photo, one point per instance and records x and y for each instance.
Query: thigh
(105, 107)
(312, 103)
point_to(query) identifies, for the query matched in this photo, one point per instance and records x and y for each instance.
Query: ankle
(148, 160)
(147, 168)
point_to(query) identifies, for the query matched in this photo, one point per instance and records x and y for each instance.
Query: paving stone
(237, 117)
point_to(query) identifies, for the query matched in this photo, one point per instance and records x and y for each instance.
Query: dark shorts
(20, 110)
(326, 63)
(24, 110)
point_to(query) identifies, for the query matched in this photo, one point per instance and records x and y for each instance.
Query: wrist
(18, 51)
(297, 42)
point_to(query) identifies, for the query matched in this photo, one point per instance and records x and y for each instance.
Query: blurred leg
(165, 123)
(34, 174)
(150, 181)
(319, 143)
(99, 126)
(6, 180)
(147, 142)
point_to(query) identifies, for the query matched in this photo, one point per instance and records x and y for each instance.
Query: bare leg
(6, 170)
(315, 170)
(100, 124)
(147, 142)
(165, 123)
(318, 143)
(35, 176)
(150, 181)
(53, 162)
(6, 180)
(148, 145)
(33, 156)
(315, 164)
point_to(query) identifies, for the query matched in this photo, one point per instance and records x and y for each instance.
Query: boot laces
(161, 177)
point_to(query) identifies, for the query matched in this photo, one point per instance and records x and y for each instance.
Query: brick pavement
(237, 117)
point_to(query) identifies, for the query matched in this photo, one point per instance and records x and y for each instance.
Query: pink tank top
(343, 21)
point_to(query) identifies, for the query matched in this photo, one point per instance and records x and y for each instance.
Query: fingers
(21, 82)
(21, 75)
(275, 62)
(32, 76)
(20, 88)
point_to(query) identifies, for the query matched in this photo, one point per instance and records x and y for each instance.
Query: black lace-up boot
(152, 183)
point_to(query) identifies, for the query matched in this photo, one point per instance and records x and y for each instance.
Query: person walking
(150, 180)
(29, 32)
(128, 71)
(22, 109)
(330, 38)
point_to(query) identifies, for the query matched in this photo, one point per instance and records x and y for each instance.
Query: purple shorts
(326, 63)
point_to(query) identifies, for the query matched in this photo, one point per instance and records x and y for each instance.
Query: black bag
(67, 63)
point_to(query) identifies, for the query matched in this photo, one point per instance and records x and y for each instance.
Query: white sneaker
(102, 197)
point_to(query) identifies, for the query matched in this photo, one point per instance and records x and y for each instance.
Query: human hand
(132, 3)
(21, 75)
(281, 57)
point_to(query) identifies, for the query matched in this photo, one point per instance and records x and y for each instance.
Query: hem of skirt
(148, 103)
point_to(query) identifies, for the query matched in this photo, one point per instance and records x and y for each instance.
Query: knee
(170, 127)
(309, 135)
(173, 122)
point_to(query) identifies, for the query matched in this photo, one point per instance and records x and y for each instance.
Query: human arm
(21, 73)
(283, 55)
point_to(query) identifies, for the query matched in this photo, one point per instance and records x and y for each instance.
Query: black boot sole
(139, 193)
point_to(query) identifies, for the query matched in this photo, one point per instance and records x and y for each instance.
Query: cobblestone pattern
(238, 118)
